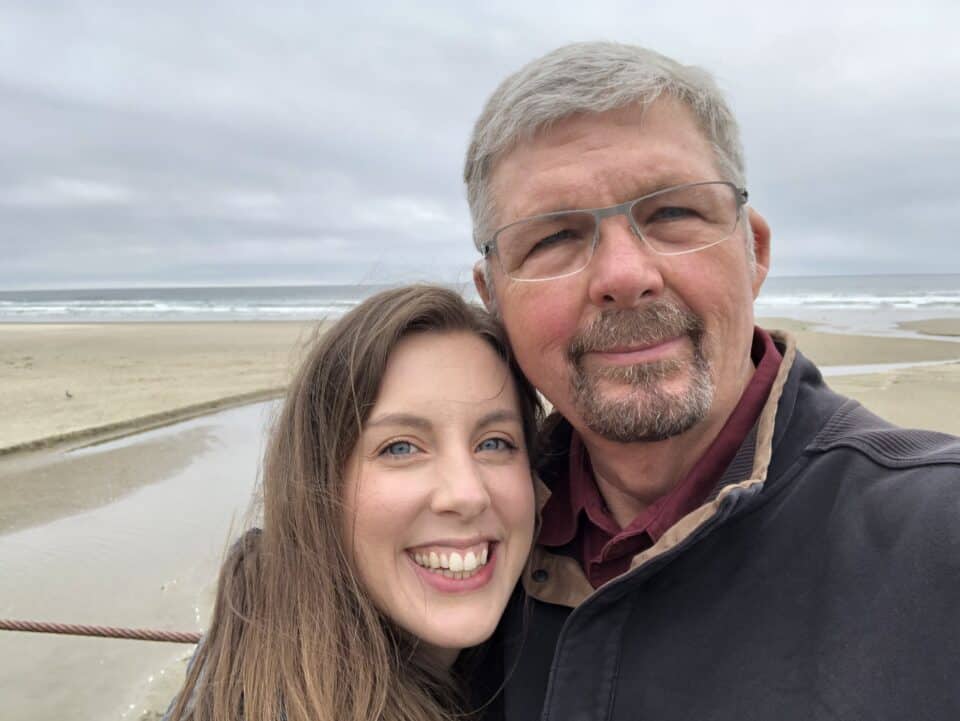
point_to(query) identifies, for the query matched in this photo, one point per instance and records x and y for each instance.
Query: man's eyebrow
(400, 419)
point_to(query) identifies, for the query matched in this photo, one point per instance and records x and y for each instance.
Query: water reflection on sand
(128, 533)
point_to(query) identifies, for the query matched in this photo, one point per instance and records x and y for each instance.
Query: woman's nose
(461, 488)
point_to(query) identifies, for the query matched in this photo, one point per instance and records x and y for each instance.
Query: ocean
(861, 303)
(182, 304)
(871, 303)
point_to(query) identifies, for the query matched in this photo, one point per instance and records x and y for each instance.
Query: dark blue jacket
(824, 583)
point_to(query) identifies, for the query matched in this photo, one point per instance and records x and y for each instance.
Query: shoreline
(95, 435)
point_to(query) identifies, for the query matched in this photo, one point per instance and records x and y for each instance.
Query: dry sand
(64, 382)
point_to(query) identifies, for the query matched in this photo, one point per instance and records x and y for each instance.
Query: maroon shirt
(576, 521)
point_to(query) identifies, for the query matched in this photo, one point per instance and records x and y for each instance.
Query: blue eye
(496, 444)
(400, 448)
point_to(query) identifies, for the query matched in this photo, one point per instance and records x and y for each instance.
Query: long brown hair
(294, 635)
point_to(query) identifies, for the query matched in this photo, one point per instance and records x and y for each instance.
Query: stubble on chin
(641, 409)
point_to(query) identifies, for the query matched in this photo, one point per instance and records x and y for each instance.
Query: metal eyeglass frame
(621, 209)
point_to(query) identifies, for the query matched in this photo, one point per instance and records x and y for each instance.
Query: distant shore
(86, 382)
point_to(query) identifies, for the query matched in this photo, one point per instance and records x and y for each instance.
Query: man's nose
(624, 272)
(461, 487)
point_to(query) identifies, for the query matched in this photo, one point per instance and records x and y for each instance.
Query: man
(724, 538)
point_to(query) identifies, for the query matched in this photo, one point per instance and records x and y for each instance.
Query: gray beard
(648, 412)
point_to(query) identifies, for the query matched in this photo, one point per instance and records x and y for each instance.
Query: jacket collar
(559, 579)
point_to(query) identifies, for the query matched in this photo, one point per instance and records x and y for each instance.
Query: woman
(398, 513)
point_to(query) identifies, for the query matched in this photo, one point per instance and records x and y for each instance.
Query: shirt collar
(577, 495)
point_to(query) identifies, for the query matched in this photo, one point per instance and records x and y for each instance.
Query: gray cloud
(240, 142)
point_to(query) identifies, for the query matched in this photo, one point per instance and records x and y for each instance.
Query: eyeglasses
(673, 221)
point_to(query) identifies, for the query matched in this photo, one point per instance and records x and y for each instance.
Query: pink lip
(631, 355)
(452, 585)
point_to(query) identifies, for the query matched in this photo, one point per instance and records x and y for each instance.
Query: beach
(74, 382)
(129, 453)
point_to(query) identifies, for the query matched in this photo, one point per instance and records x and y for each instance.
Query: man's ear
(480, 281)
(760, 237)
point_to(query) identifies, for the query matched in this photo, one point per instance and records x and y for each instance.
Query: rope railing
(73, 629)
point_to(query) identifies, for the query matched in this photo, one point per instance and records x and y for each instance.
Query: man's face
(638, 346)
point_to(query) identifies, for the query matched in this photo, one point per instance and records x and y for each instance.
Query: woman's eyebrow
(499, 416)
(401, 419)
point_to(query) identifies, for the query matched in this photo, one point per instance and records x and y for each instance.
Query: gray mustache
(646, 326)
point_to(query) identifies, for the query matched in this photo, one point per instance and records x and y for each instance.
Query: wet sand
(135, 540)
(85, 381)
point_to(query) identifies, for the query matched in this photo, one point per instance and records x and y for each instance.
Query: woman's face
(440, 507)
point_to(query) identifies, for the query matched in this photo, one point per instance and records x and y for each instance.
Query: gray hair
(590, 77)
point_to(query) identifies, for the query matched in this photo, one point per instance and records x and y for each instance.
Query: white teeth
(453, 564)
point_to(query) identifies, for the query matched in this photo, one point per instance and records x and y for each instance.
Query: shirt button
(540, 575)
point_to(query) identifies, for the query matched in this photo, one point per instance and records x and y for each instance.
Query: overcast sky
(271, 143)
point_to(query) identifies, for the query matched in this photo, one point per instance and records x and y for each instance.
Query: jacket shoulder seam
(853, 426)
